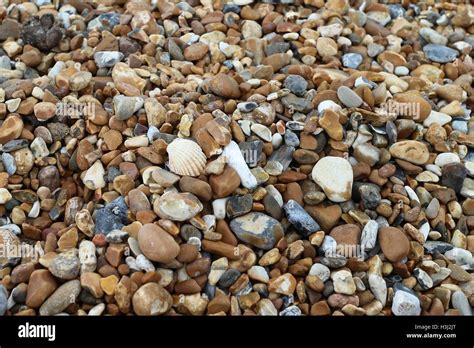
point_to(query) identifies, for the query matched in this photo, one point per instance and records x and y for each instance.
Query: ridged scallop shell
(186, 157)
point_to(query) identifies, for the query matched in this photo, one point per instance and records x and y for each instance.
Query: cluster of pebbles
(290, 157)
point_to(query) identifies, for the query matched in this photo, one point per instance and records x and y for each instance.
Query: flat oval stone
(440, 54)
(394, 243)
(177, 206)
(411, 151)
(157, 244)
(257, 229)
(61, 298)
(348, 97)
(335, 176)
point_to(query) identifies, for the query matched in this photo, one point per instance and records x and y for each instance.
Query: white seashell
(186, 157)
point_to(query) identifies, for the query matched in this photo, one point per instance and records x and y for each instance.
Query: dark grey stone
(300, 219)
(112, 217)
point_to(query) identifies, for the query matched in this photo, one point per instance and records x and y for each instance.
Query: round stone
(157, 244)
(177, 206)
(225, 86)
(257, 229)
(394, 243)
(335, 176)
(405, 304)
(151, 299)
(410, 150)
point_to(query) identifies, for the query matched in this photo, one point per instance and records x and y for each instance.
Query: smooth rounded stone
(177, 206)
(257, 229)
(87, 256)
(65, 266)
(432, 36)
(239, 205)
(321, 271)
(439, 53)
(228, 278)
(467, 189)
(262, 131)
(437, 117)
(39, 148)
(453, 176)
(157, 244)
(424, 280)
(334, 261)
(97, 310)
(432, 247)
(107, 59)
(296, 84)
(300, 219)
(343, 282)
(138, 201)
(328, 105)
(352, 60)
(24, 161)
(112, 217)
(284, 284)
(405, 304)
(374, 50)
(144, 264)
(44, 111)
(5, 196)
(460, 126)
(411, 151)
(49, 177)
(370, 196)
(259, 274)
(94, 176)
(348, 97)
(225, 86)
(291, 139)
(65, 295)
(381, 17)
(15, 144)
(334, 175)
(79, 80)
(163, 177)
(151, 299)
(461, 256)
(432, 209)
(369, 234)
(273, 168)
(125, 107)
(9, 164)
(378, 286)
(401, 71)
(394, 243)
(461, 303)
(247, 106)
(446, 158)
